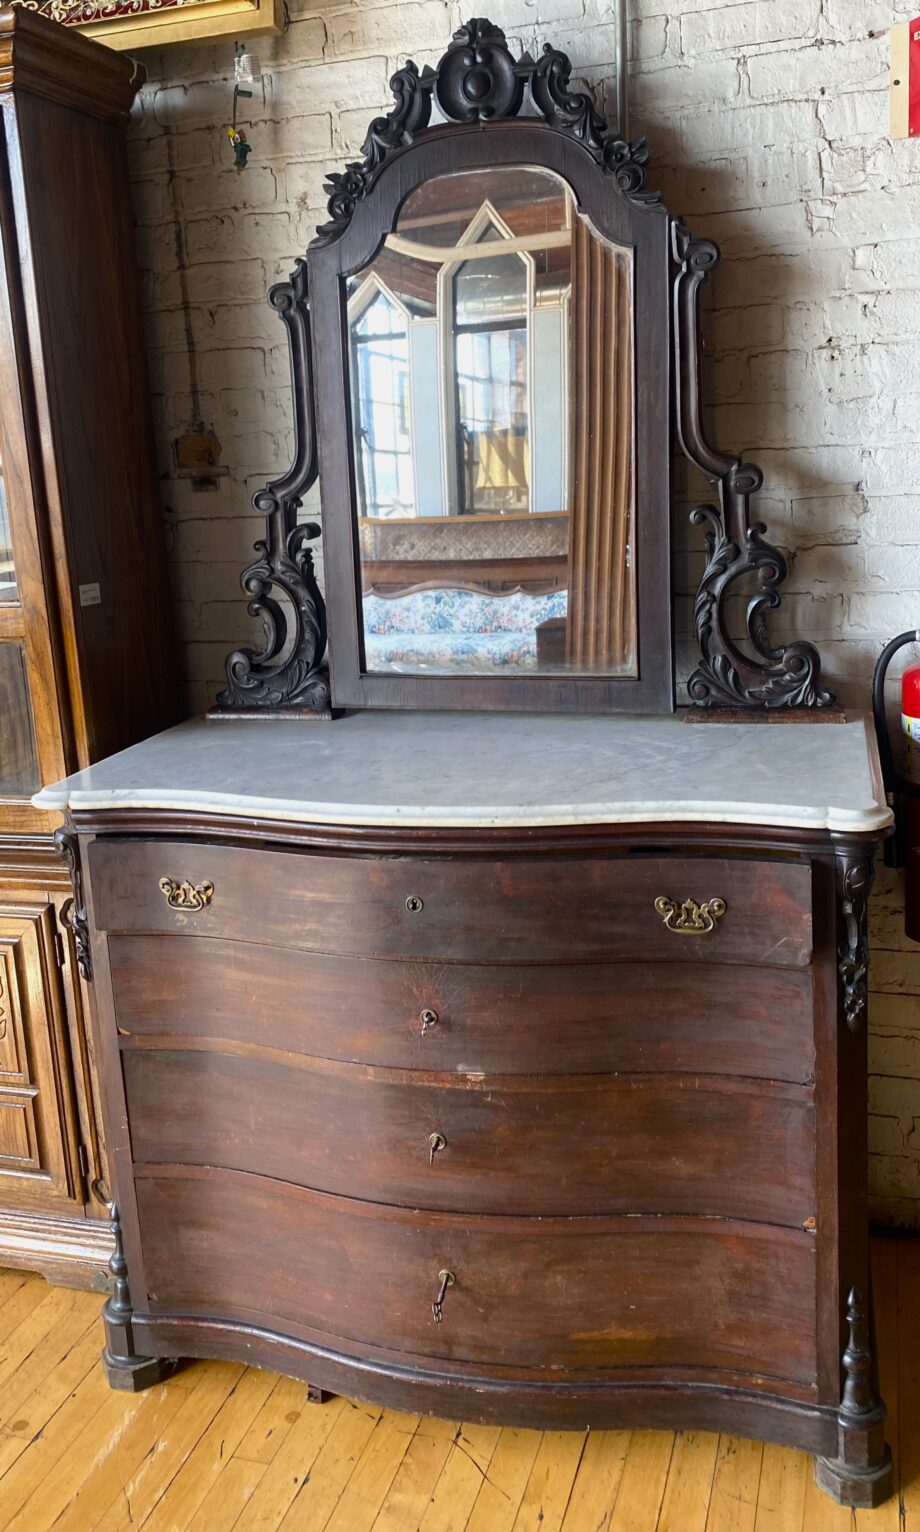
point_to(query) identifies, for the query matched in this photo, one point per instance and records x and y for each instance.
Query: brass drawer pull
(446, 1279)
(186, 896)
(690, 918)
(428, 1019)
(436, 1141)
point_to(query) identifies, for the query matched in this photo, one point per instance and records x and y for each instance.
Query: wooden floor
(223, 1446)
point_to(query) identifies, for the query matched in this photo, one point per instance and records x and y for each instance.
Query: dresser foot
(132, 1374)
(853, 1485)
(318, 1395)
(861, 1473)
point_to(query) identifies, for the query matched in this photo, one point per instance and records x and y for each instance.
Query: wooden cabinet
(85, 646)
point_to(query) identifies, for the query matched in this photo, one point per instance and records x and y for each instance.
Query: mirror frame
(641, 226)
(480, 90)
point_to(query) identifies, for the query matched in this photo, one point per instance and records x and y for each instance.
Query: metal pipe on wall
(622, 83)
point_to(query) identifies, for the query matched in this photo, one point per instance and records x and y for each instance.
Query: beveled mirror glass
(492, 438)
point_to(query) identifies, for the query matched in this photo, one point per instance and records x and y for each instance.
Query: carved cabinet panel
(38, 1154)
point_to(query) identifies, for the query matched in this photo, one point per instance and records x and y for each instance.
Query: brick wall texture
(768, 122)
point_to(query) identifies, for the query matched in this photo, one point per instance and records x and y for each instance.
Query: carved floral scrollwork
(478, 80)
(288, 670)
(786, 676)
(854, 881)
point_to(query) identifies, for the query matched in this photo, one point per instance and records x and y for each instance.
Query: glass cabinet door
(9, 591)
(31, 745)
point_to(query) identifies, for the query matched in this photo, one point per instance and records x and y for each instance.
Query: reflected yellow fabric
(502, 459)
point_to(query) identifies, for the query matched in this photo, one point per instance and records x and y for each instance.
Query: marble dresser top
(482, 769)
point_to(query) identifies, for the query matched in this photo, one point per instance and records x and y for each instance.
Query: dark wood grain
(712, 1147)
(473, 910)
(526, 1292)
(504, 1018)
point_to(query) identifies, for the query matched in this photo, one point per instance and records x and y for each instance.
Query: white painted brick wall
(768, 124)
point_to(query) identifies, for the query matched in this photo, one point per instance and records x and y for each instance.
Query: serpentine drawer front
(531, 909)
(712, 1146)
(498, 1018)
(527, 1293)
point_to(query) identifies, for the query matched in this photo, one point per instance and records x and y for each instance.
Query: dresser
(505, 1068)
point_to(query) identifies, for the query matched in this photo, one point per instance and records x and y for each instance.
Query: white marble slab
(454, 769)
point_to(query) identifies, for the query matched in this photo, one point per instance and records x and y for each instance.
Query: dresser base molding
(488, 1400)
(71, 1252)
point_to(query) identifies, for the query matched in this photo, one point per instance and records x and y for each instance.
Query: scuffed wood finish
(81, 484)
(521, 910)
(220, 1446)
(735, 1019)
(712, 1147)
(529, 1295)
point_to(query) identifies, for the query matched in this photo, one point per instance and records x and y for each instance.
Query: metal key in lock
(436, 1141)
(447, 1279)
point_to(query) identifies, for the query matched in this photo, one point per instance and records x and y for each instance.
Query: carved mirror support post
(788, 676)
(288, 671)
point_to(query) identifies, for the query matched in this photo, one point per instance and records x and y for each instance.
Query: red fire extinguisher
(903, 792)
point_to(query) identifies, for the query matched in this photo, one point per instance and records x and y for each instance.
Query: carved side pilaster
(73, 915)
(854, 884)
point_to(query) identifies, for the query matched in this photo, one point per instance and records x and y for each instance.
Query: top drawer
(523, 909)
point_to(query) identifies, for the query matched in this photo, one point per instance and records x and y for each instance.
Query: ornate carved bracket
(854, 883)
(288, 671)
(73, 914)
(785, 677)
(478, 80)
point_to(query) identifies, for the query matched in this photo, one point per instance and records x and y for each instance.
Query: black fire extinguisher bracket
(897, 788)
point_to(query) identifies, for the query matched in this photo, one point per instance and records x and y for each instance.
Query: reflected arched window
(380, 362)
(490, 314)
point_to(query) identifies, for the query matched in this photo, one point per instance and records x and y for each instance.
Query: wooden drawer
(512, 1144)
(529, 909)
(526, 1019)
(542, 1294)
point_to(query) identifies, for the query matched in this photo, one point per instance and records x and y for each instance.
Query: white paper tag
(91, 595)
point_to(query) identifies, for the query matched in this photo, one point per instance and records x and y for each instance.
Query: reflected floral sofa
(456, 630)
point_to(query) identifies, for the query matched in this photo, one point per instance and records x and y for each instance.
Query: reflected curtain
(600, 625)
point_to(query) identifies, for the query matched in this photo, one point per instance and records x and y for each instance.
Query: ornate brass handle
(690, 918)
(185, 895)
(446, 1279)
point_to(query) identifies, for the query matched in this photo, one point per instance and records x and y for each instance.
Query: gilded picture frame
(133, 24)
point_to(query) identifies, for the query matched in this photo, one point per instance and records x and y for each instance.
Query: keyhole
(436, 1141)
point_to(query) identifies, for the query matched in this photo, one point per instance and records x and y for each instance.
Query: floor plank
(407, 1497)
(735, 1485)
(225, 1448)
(594, 1493)
(546, 1494)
